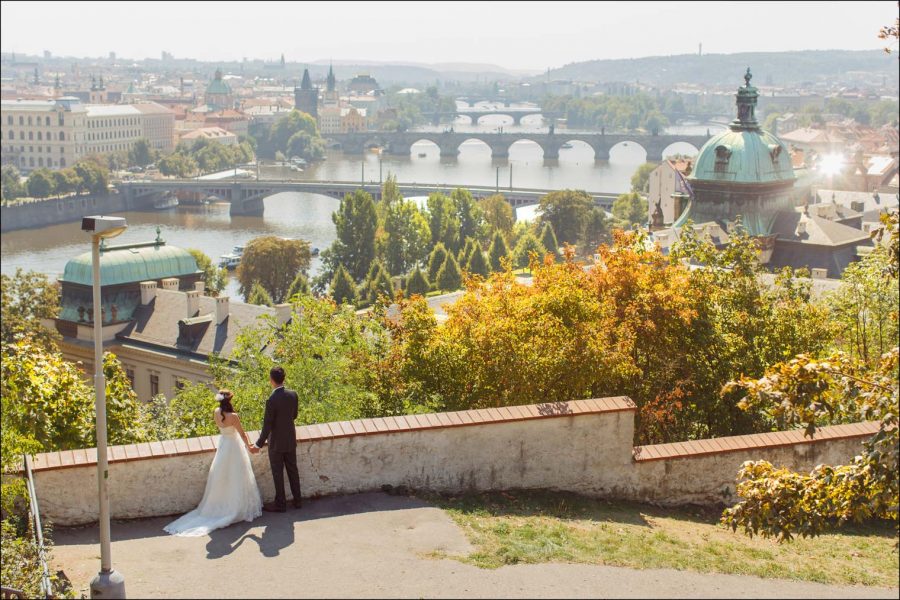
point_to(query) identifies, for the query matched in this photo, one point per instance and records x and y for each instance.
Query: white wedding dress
(231, 492)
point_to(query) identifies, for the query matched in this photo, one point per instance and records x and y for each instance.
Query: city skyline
(515, 37)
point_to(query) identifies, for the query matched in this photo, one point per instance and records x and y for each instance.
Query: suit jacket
(278, 421)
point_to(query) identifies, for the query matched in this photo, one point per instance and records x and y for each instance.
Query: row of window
(30, 162)
(107, 135)
(112, 122)
(40, 136)
(9, 120)
(154, 381)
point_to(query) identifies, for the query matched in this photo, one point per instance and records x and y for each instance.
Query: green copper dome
(744, 153)
(129, 264)
(218, 86)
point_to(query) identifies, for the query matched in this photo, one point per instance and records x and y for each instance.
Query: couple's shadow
(277, 535)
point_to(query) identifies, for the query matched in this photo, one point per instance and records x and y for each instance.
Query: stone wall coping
(341, 429)
(753, 441)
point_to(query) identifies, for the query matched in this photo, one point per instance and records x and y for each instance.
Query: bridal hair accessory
(220, 397)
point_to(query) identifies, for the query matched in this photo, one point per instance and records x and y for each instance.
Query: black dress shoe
(298, 504)
(273, 508)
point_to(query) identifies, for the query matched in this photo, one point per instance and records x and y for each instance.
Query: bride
(231, 492)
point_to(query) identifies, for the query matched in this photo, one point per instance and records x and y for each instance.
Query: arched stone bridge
(517, 114)
(499, 143)
(246, 197)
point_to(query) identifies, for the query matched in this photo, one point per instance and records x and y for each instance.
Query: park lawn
(535, 527)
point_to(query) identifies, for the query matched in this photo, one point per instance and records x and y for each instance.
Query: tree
(177, 165)
(527, 245)
(356, 222)
(777, 502)
(288, 125)
(65, 181)
(416, 283)
(305, 145)
(259, 296)
(436, 261)
(641, 178)
(497, 252)
(443, 221)
(300, 285)
(141, 153)
(40, 183)
(477, 265)
(449, 277)
(548, 240)
(28, 297)
(498, 214)
(408, 235)
(466, 251)
(468, 213)
(273, 262)
(390, 191)
(567, 211)
(596, 230)
(630, 209)
(343, 289)
(377, 283)
(12, 183)
(215, 279)
(93, 177)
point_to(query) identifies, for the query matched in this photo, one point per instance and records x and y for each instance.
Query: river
(308, 216)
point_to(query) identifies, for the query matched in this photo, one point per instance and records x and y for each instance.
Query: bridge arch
(574, 150)
(525, 147)
(624, 151)
(685, 148)
(425, 145)
(476, 147)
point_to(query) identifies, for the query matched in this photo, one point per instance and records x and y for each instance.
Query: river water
(308, 216)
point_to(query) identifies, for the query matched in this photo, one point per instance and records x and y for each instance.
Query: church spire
(747, 96)
(330, 81)
(305, 84)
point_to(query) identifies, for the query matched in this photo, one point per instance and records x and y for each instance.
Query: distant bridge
(475, 114)
(499, 143)
(246, 197)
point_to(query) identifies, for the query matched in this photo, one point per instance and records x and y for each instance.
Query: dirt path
(374, 545)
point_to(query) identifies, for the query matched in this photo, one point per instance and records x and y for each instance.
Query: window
(12, 134)
(129, 372)
(30, 135)
(9, 120)
(62, 136)
(47, 121)
(21, 135)
(40, 136)
(179, 384)
(21, 121)
(62, 161)
(29, 120)
(154, 384)
(40, 162)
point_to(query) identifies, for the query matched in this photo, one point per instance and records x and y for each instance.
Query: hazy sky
(516, 35)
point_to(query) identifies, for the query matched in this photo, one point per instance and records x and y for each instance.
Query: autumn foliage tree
(272, 262)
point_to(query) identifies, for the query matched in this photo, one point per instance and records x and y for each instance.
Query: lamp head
(103, 227)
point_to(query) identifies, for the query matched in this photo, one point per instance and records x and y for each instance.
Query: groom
(278, 431)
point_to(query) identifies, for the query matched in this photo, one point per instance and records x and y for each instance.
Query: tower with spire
(331, 97)
(98, 94)
(306, 97)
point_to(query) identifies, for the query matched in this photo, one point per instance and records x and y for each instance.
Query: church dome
(130, 264)
(744, 153)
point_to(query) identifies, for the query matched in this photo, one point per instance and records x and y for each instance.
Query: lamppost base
(108, 584)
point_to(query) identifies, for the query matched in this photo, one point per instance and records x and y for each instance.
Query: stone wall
(583, 446)
(52, 211)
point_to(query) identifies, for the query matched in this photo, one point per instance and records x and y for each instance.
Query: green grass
(536, 527)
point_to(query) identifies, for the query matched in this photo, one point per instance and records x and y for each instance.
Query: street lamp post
(107, 583)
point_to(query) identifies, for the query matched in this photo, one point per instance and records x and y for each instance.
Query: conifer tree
(343, 290)
(497, 251)
(548, 239)
(449, 277)
(477, 264)
(300, 285)
(259, 296)
(436, 260)
(416, 283)
(527, 245)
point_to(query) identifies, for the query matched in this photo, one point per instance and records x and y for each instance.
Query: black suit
(278, 430)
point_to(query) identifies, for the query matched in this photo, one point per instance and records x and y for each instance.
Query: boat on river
(233, 260)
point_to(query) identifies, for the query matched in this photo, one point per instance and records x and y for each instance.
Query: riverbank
(54, 211)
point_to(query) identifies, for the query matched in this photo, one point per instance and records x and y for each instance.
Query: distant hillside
(769, 68)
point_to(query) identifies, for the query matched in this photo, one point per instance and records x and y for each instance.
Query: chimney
(193, 303)
(282, 313)
(200, 286)
(221, 309)
(170, 283)
(818, 273)
(148, 292)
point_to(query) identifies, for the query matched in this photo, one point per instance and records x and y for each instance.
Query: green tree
(596, 230)
(497, 252)
(288, 125)
(40, 183)
(142, 153)
(436, 260)
(274, 263)
(377, 283)
(259, 295)
(567, 211)
(65, 181)
(12, 183)
(449, 277)
(300, 285)
(443, 221)
(477, 265)
(343, 289)
(28, 297)
(214, 278)
(640, 181)
(305, 145)
(468, 213)
(408, 236)
(177, 165)
(466, 251)
(777, 502)
(630, 209)
(416, 283)
(356, 222)
(93, 177)
(498, 214)
(527, 245)
(548, 240)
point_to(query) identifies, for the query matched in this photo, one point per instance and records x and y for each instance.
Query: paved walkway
(373, 545)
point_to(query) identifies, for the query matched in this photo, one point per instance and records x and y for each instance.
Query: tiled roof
(156, 324)
(819, 231)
